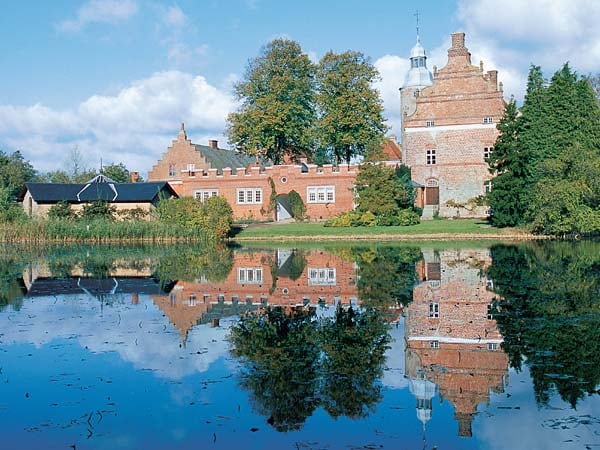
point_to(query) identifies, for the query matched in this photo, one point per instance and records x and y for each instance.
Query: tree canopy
(350, 109)
(278, 111)
(292, 108)
(547, 157)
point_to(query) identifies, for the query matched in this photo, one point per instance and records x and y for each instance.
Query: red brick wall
(461, 97)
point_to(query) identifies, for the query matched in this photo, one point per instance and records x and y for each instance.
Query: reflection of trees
(549, 313)
(11, 287)
(188, 263)
(294, 363)
(387, 274)
(281, 354)
(354, 345)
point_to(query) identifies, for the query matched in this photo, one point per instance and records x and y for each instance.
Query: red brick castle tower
(449, 128)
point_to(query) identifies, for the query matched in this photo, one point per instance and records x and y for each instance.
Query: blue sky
(114, 78)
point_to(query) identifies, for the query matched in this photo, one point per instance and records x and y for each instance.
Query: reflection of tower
(424, 391)
(452, 340)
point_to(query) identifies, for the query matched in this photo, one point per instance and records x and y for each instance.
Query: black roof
(97, 286)
(93, 191)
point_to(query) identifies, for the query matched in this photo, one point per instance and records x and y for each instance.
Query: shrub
(347, 219)
(61, 211)
(298, 208)
(133, 214)
(216, 217)
(408, 217)
(368, 219)
(98, 210)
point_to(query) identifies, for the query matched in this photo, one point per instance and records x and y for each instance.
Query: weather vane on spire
(417, 16)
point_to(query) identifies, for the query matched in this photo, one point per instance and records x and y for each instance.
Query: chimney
(458, 40)
(458, 55)
(493, 74)
(134, 177)
(213, 143)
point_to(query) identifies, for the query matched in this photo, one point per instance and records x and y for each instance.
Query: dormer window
(488, 120)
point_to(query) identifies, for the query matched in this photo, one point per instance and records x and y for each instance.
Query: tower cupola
(418, 75)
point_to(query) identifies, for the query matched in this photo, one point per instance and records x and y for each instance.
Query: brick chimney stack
(213, 143)
(458, 55)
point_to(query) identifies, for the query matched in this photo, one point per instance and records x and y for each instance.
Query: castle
(448, 129)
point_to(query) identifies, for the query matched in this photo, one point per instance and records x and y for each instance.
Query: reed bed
(97, 231)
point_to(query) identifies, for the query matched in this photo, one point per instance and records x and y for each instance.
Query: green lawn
(431, 227)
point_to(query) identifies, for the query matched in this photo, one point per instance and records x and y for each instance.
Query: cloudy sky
(115, 78)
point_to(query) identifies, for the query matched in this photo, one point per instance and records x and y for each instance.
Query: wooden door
(432, 195)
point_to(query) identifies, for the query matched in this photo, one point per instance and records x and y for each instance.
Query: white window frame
(320, 194)
(487, 152)
(249, 196)
(492, 346)
(172, 170)
(488, 120)
(250, 275)
(322, 276)
(191, 169)
(434, 344)
(487, 186)
(430, 123)
(434, 310)
(430, 157)
(205, 194)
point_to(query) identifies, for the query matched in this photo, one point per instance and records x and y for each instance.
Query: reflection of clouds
(140, 334)
(394, 376)
(531, 427)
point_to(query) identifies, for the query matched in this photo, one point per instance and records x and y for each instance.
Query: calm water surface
(334, 347)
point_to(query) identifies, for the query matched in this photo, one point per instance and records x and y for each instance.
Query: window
(487, 186)
(192, 300)
(252, 196)
(434, 344)
(434, 310)
(205, 194)
(490, 312)
(322, 276)
(191, 169)
(430, 123)
(250, 275)
(430, 157)
(488, 119)
(492, 346)
(172, 170)
(320, 194)
(487, 152)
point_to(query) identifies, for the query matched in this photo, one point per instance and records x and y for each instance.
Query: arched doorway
(432, 192)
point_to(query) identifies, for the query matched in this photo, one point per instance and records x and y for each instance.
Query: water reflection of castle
(452, 341)
(288, 278)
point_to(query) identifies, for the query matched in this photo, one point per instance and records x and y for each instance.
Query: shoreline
(398, 237)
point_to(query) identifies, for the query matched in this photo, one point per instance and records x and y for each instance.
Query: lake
(315, 346)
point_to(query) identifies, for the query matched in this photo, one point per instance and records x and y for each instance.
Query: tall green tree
(15, 171)
(117, 172)
(381, 190)
(350, 109)
(277, 111)
(511, 166)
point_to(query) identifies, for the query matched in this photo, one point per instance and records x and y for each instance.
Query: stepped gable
(461, 93)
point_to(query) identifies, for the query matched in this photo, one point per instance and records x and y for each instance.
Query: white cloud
(99, 11)
(542, 32)
(174, 16)
(392, 69)
(134, 126)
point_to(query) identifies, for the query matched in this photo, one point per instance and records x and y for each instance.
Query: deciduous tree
(350, 109)
(277, 111)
